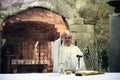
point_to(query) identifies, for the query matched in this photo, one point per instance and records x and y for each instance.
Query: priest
(64, 52)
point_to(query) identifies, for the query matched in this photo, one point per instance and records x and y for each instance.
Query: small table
(29, 68)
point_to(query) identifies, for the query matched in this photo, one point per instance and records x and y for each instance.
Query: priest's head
(66, 38)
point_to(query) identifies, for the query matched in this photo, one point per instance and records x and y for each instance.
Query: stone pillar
(115, 42)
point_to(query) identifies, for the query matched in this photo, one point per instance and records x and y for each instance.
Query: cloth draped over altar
(57, 76)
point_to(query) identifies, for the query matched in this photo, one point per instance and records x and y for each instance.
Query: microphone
(79, 56)
(78, 73)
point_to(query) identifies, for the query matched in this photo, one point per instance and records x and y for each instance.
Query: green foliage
(97, 13)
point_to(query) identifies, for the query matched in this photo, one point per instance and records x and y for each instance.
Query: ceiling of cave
(65, 8)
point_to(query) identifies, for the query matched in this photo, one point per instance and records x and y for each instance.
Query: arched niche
(25, 28)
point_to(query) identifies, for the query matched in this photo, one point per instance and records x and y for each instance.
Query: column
(115, 42)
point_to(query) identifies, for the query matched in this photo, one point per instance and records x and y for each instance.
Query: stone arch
(25, 28)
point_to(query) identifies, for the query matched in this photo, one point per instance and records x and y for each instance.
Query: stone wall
(82, 32)
(65, 8)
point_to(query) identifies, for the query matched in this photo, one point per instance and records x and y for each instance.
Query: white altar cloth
(56, 76)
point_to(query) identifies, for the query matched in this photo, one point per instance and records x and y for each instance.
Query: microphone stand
(78, 73)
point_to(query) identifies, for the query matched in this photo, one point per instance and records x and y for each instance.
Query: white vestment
(61, 52)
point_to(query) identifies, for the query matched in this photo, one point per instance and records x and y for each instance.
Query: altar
(57, 76)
